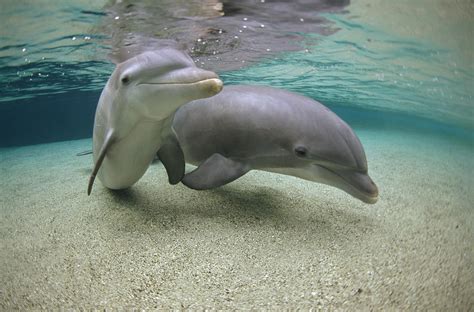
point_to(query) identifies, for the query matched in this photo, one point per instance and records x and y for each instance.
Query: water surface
(362, 56)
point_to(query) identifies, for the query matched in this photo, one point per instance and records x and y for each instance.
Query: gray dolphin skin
(135, 111)
(252, 127)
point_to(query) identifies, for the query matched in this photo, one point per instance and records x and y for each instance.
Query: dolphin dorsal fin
(107, 142)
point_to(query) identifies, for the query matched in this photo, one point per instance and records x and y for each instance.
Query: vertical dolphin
(135, 111)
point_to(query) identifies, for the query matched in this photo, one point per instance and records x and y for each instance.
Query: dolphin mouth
(184, 76)
(212, 85)
(356, 183)
(215, 80)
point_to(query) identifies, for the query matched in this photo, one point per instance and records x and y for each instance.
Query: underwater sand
(265, 241)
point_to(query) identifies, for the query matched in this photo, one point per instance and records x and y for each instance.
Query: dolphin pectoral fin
(107, 142)
(214, 172)
(172, 157)
(84, 153)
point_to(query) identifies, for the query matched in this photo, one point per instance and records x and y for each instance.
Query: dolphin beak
(215, 85)
(356, 183)
(360, 185)
(207, 82)
(187, 75)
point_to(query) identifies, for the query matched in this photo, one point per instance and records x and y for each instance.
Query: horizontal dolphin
(134, 114)
(251, 127)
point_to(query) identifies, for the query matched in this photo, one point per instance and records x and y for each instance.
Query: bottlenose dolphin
(134, 114)
(251, 127)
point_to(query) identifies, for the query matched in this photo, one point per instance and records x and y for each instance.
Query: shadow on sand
(235, 206)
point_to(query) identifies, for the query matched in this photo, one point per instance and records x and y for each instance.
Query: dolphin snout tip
(371, 200)
(365, 188)
(218, 85)
(372, 193)
(215, 85)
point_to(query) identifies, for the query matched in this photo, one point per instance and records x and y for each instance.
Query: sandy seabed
(266, 241)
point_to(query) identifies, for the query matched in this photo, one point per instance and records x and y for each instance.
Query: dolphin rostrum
(135, 111)
(251, 127)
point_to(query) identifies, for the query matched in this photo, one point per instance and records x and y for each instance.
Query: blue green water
(374, 76)
(367, 69)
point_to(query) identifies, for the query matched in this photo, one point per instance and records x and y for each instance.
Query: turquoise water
(364, 68)
(342, 55)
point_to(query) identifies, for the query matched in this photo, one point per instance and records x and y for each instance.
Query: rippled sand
(264, 241)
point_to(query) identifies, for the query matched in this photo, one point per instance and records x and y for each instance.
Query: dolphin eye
(125, 79)
(301, 151)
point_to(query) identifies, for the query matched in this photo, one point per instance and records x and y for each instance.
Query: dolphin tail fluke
(108, 141)
(215, 171)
